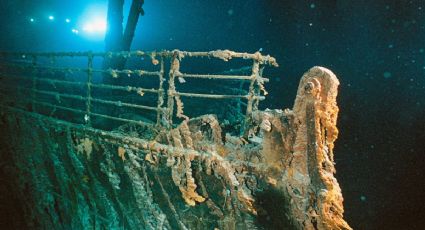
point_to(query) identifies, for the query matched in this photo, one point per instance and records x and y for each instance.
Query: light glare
(96, 26)
(51, 18)
(92, 22)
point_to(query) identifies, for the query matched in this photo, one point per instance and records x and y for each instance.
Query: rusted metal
(221, 54)
(283, 154)
(164, 114)
(160, 113)
(171, 89)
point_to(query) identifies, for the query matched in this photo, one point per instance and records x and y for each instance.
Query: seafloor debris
(191, 176)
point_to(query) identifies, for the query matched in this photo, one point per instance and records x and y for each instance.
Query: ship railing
(21, 77)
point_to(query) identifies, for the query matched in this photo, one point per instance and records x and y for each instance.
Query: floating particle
(311, 24)
(363, 198)
(312, 5)
(421, 50)
(390, 46)
(387, 75)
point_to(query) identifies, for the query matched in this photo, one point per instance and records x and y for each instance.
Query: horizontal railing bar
(220, 54)
(264, 79)
(121, 119)
(59, 107)
(217, 96)
(112, 72)
(226, 55)
(46, 104)
(82, 98)
(116, 103)
(225, 77)
(49, 80)
(185, 75)
(91, 113)
(211, 76)
(72, 96)
(103, 86)
(51, 93)
(125, 88)
(212, 96)
(125, 54)
(129, 72)
(120, 104)
(80, 54)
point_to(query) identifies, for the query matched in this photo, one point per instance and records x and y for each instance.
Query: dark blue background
(375, 47)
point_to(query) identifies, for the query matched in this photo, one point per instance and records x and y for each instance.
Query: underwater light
(32, 20)
(75, 31)
(92, 23)
(67, 20)
(51, 18)
(97, 26)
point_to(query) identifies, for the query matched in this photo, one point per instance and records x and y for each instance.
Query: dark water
(376, 48)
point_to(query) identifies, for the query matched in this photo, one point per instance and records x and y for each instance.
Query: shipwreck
(144, 148)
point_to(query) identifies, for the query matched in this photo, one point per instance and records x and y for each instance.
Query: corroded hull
(279, 174)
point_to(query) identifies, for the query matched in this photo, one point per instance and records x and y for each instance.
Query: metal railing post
(87, 117)
(258, 90)
(34, 81)
(172, 88)
(160, 93)
(251, 95)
